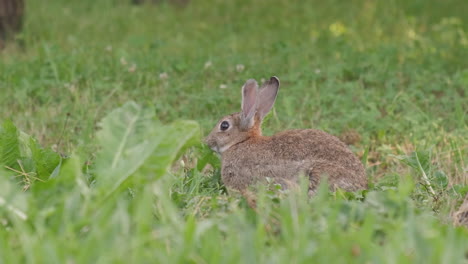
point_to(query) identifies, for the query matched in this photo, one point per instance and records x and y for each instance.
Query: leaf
(71, 171)
(129, 137)
(174, 138)
(417, 160)
(440, 179)
(126, 142)
(15, 152)
(207, 156)
(70, 175)
(66, 184)
(20, 153)
(9, 145)
(45, 160)
(420, 161)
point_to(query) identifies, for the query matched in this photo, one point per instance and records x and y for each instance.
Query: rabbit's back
(285, 155)
(313, 144)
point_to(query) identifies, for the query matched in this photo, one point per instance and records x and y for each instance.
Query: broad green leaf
(45, 160)
(207, 156)
(64, 177)
(129, 136)
(24, 141)
(22, 156)
(126, 142)
(9, 145)
(15, 152)
(66, 192)
(71, 171)
(417, 160)
(174, 139)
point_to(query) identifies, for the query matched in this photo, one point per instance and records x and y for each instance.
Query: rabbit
(248, 157)
(460, 217)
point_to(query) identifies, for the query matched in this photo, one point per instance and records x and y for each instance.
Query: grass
(394, 73)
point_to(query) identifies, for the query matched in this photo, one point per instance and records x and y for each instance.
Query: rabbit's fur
(460, 217)
(248, 157)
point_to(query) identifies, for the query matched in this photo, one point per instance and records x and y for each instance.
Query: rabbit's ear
(267, 96)
(249, 102)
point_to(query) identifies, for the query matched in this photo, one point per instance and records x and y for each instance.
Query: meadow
(104, 105)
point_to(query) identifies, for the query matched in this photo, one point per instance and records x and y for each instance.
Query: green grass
(394, 72)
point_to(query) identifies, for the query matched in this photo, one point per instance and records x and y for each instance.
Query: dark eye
(224, 125)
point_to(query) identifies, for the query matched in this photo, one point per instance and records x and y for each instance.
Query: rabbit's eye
(224, 125)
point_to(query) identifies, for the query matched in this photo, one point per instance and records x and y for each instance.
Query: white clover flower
(240, 67)
(123, 61)
(132, 68)
(208, 64)
(223, 86)
(163, 76)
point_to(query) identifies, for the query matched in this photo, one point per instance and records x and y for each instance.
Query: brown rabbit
(248, 157)
(460, 217)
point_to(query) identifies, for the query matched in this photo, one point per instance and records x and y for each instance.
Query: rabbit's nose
(210, 142)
